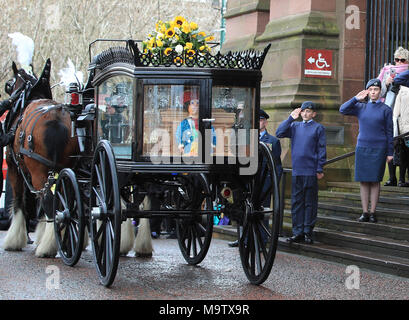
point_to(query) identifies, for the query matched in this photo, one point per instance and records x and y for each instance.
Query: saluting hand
(296, 113)
(362, 95)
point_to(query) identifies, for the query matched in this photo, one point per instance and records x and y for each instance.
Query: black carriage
(136, 141)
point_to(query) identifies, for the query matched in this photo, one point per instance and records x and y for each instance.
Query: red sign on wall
(318, 63)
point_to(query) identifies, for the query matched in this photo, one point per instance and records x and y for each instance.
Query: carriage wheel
(258, 242)
(194, 233)
(69, 220)
(105, 217)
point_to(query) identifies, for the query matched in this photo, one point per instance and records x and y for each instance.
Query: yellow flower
(159, 43)
(170, 33)
(190, 53)
(185, 27)
(193, 26)
(151, 43)
(188, 45)
(179, 20)
(167, 51)
(201, 33)
(178, 60)
(210, 38)
(163, 28)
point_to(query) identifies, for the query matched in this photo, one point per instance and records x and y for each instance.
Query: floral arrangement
(175, 37)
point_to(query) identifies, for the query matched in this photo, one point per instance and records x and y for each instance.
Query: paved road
(166, 276)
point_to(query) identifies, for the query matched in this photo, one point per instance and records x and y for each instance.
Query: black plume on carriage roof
(248, 59)
(111, 56)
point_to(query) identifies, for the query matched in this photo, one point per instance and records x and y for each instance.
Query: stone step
(397, 232)
(354, 187)
(384, 215)
(364, 242)
(369, 252)
(346, 198)
(363, 259)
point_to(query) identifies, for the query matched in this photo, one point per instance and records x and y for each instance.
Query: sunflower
(170, 32)
(167, 51)
(178, 60)
(179, 21)
(190, 54)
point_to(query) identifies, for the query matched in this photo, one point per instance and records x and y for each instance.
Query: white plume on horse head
(25, 49)
(69, 75)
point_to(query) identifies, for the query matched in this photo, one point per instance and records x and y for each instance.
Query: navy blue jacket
(402, 78)
(276, 148)
(308, 145)
(375, 123)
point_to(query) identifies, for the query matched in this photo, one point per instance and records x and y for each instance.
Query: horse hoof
(13, 249)
(143, 255)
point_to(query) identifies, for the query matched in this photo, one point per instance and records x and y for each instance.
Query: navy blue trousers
(304, 204)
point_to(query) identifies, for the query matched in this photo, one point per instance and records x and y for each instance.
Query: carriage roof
(131, 55)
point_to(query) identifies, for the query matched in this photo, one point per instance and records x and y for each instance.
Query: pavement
(166, 276)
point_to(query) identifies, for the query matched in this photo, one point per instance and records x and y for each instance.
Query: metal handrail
(289, 170)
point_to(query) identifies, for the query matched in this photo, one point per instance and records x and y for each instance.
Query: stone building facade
(317, 53)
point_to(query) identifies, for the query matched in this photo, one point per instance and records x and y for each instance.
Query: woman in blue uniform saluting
(374, 144)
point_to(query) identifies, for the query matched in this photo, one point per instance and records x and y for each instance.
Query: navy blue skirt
(369, 164)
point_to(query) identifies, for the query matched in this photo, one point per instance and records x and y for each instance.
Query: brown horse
(42, 146)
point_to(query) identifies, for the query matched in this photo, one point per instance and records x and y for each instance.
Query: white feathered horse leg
(47, 246)
(127, 234)
(16, 238)
(40, 229)
(143, 241)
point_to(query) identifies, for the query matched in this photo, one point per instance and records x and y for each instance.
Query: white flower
(179, 49)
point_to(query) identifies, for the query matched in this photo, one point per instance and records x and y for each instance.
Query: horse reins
(33, 118)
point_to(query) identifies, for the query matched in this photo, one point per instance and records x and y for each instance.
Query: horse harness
(32, 118)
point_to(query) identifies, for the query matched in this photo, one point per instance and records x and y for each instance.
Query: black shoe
(403, 184)
(372, 218)
(364, 217)
(297, 239)
(308, 239)
(234, 244)
(172, 235)
(390, 183)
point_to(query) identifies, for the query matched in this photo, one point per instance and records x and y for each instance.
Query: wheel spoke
(100, 181)
(257, 257)
(62, 200)
(72, 241)
(99, 197)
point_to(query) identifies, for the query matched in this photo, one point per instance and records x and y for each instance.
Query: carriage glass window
(115, 114)
(233, 111)
(171, 121)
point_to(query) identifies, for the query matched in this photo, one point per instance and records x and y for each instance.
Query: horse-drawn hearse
(157, 135)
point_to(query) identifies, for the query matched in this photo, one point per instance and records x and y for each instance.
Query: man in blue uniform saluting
(308, 154)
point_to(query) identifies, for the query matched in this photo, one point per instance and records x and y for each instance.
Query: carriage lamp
(72, 95)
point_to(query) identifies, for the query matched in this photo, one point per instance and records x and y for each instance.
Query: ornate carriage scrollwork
(249, 59)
